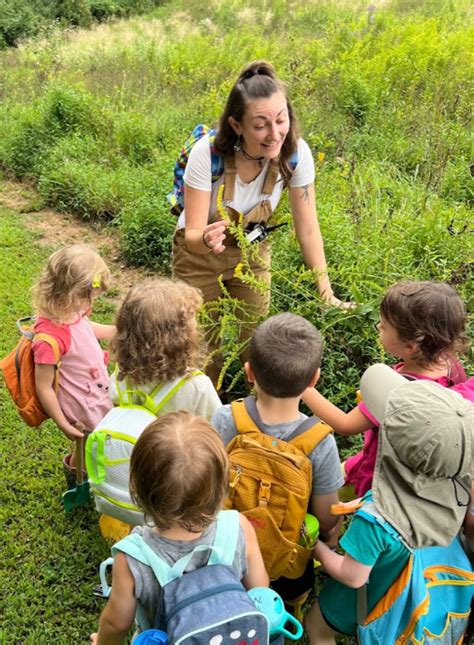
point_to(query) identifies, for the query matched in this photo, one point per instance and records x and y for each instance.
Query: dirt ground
(56, 229)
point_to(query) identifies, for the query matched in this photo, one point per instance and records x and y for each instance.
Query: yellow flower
(238, 273)
(321, 156)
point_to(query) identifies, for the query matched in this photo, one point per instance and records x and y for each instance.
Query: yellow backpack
(271, 484)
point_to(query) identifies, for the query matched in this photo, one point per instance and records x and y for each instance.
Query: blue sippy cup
(272, 606)
(151, 637)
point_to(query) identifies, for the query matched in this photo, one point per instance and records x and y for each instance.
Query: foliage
(20, 19)
(97, 119)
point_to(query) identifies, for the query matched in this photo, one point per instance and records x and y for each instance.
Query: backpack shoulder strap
(294, 159)
(135, 546)
(225, 540)
(52, 342)
(309, 434)
(217, 160)
(163, 392)
(246, 417)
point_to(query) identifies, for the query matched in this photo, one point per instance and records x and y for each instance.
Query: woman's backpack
(207, 605)
(271, 484)
(110, 445)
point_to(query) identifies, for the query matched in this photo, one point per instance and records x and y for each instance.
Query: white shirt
(246, 195)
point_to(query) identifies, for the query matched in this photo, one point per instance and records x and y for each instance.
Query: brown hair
(257, 81)
(68, 282)
(285, 353)
(430, 314)
(179, 472)
(157, 336)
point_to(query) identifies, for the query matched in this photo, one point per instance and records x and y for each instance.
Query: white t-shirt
(246, 195)
(197, 396)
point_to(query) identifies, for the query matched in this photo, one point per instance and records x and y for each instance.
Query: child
(179, 477)
(421, 488)
(423, 324)
(284, 359)
(157, 349)
(73, 277)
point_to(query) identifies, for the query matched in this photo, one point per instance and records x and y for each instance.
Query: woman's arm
(119, 613)
(343, 568)
(201, 237)
(256, 575)
(44, 379)
(353, 422)
(308, 232)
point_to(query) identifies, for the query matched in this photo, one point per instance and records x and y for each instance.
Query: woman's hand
(333, 301)
(213, 236)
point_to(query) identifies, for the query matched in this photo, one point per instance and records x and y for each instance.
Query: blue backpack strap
(135, 546)
(294, 159)
(226, 538)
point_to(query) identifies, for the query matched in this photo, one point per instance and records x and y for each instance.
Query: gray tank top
(147, 588)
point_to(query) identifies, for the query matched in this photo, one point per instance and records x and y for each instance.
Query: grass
(49, 560)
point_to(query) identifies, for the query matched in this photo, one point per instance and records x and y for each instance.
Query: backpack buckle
(264, 493)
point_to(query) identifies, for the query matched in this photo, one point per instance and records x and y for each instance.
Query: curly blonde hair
(179, 472)
(70, 281)
(157, 336)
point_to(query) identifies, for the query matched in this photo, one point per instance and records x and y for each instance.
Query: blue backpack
(207, 605)
(428, 603)
(176, 196)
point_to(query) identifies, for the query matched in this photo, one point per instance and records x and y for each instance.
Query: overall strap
(230, 174)
(246, 417)
(271, 176)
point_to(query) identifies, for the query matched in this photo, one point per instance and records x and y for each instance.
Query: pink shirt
(83, 380)
(360, 467)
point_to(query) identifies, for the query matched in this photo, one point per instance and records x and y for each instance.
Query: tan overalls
(203, 271)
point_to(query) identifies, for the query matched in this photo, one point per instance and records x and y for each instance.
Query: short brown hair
(157, 336)
(71, 278)
(431, 314)
(285, 354)
(256, 81)
(179, 472)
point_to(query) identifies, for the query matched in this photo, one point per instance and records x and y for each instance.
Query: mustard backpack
(271, 484)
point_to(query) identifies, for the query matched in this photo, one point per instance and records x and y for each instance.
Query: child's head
(179, 472)
(71, 280)
(422, 477)
(430, 315)
(157, 335)
(285, 355)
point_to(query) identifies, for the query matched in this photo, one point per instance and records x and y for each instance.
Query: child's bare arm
(343, 568)
(119, 613)
(353, 422)
(103, 332)
(256, 575)
(44, 379)
(329, 524)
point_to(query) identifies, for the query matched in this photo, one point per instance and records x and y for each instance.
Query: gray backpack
(207, 606)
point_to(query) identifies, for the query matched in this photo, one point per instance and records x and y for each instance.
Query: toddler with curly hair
(157, 348)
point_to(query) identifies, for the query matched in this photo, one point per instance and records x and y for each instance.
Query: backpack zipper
(246, 470)
(200, 596)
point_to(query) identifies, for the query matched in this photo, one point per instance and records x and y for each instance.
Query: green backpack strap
(135, 546)
(166, 391)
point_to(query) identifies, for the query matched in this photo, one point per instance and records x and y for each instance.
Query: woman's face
(264, 126)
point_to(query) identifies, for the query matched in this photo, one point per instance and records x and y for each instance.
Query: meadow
(94, 119)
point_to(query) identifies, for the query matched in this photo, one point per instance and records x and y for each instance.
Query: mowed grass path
(49, 561)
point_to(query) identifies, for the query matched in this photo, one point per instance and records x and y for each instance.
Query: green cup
(309, 531)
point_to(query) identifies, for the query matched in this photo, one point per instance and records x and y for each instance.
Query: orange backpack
(19, 374)
(271, 484)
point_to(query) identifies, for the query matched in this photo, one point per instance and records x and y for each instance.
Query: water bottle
(151, 637)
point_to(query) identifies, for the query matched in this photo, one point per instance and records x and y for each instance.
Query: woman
(259, 141)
